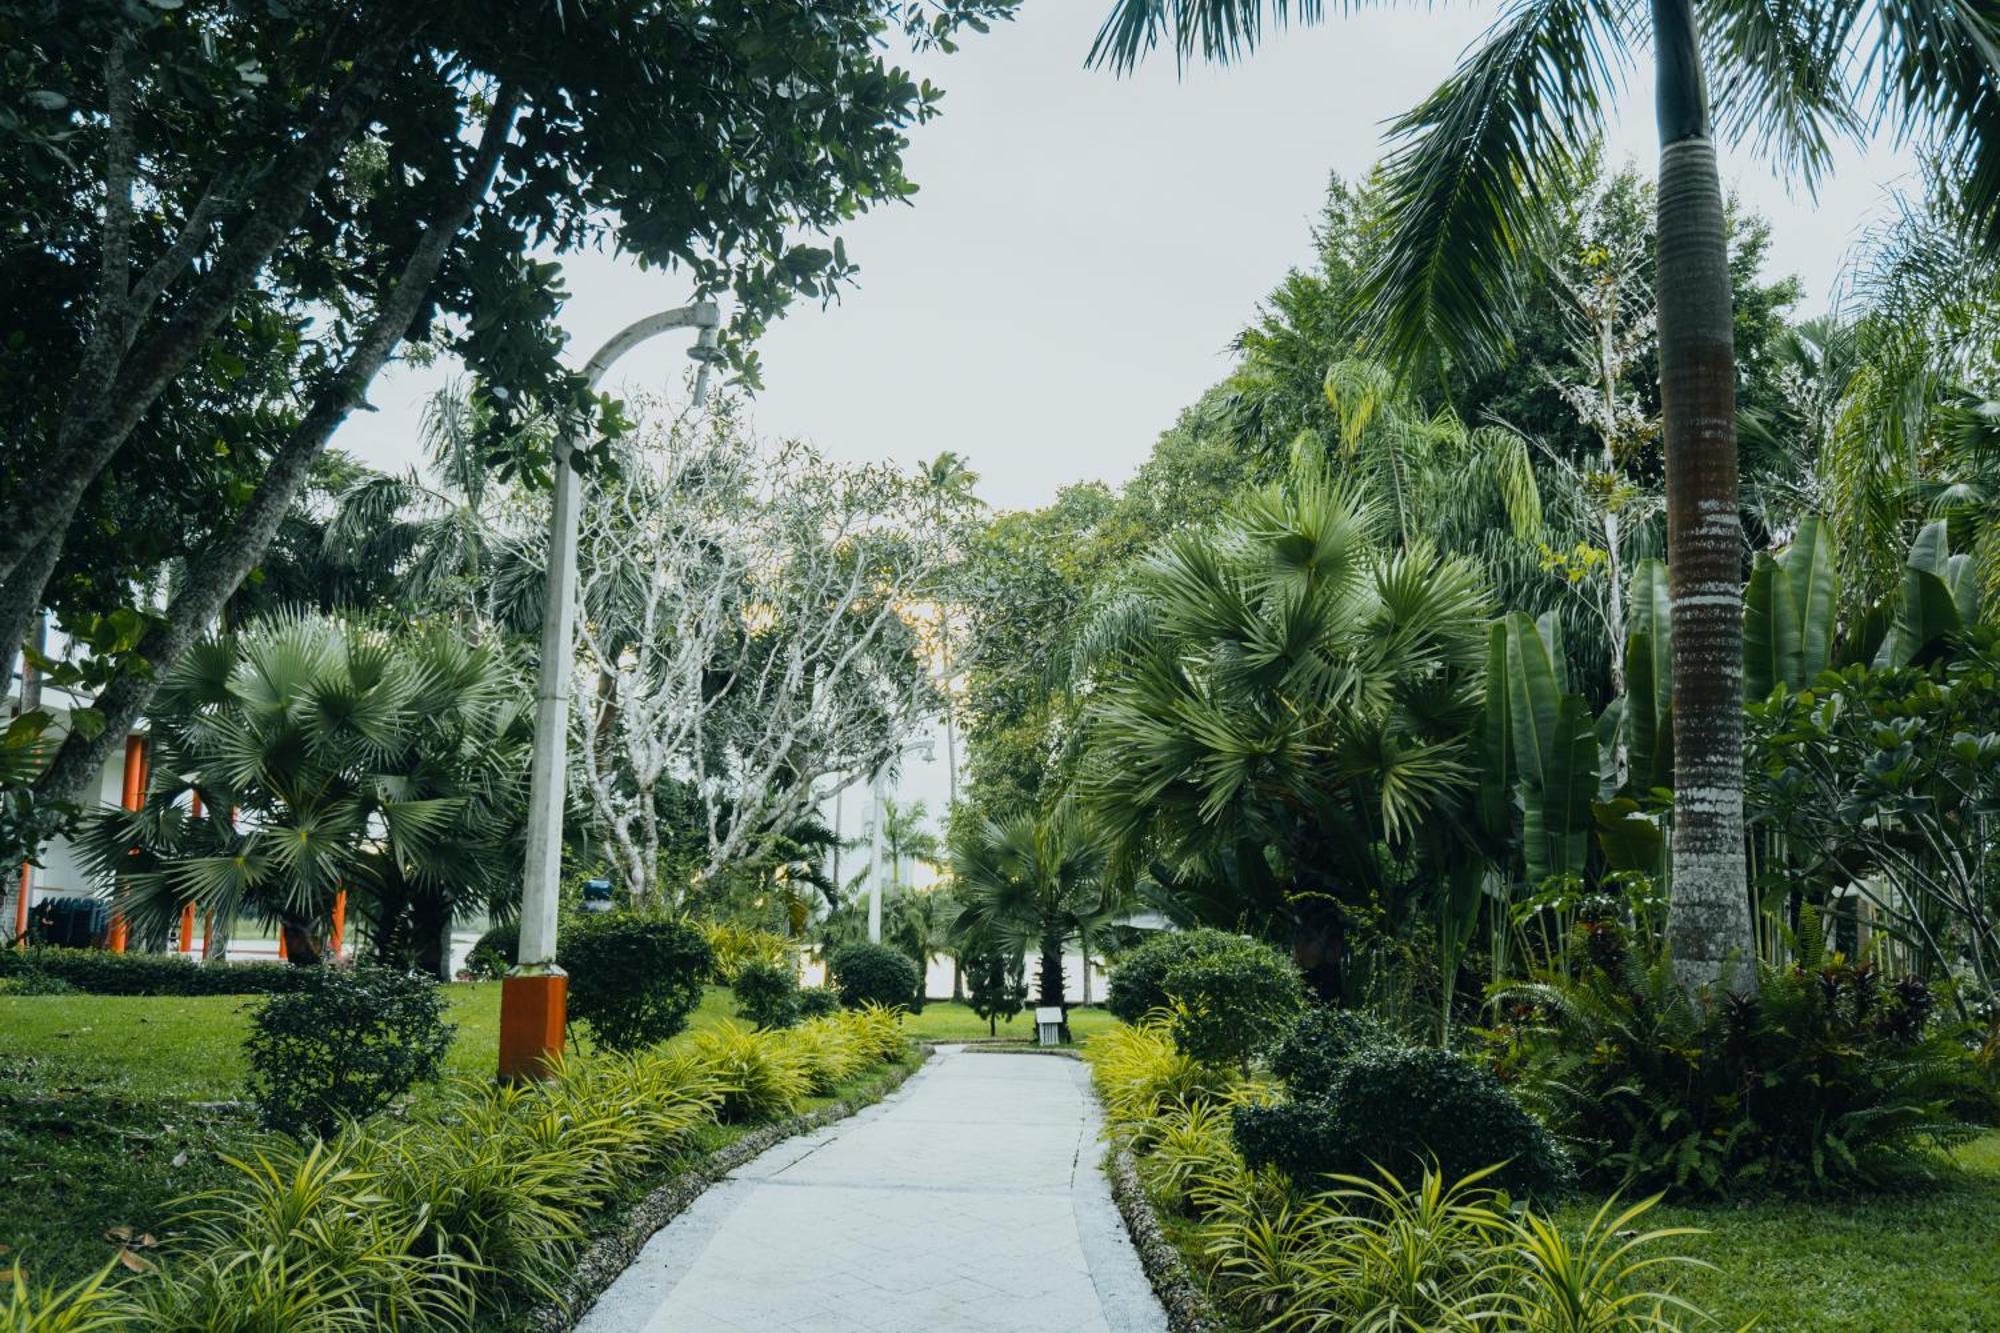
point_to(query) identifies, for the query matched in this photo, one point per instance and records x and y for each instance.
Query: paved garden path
(971, 1200)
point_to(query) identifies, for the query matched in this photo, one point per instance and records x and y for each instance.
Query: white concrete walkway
(971, 1200)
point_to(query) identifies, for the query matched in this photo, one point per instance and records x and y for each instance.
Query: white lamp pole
(535, 992)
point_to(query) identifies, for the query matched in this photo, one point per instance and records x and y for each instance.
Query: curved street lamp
(535, 992)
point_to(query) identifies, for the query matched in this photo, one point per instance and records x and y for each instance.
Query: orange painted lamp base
(532, 1009)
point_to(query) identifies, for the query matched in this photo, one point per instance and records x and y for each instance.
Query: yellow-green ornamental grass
(477, 1201)
(1369, 1253)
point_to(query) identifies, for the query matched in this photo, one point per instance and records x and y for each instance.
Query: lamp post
(534, 994)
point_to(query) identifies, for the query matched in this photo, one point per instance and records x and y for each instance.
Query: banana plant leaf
(1649, 681)
(1630, 839)
(1926, 609)
(1788, 614)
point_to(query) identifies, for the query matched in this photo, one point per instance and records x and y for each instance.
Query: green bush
(346, 1047)
(634, 979)
(1230, 1002)
(1406, 1108)
(1322, 1038)
(818, 1001)
(497, 950)
(873, 974)
(100, 972)
(1138, 979)
(767, 994)
(1826, 1076)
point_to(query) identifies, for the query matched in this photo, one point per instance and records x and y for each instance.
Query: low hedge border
(618, 1248)
(96, 972)
(1188, 1308)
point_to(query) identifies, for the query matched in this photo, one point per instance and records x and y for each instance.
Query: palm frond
(1476, 165)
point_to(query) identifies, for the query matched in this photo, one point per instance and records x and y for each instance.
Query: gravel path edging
(613, 1252)
(1188, 1308)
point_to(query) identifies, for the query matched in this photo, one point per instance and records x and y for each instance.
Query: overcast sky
(1083, 247)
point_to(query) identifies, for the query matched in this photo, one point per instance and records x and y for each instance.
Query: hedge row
(97, 972)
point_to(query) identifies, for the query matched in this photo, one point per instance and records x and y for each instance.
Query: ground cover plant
(114, 1107)
(1375, 1251)
(1826, 1076)
(470, 1203)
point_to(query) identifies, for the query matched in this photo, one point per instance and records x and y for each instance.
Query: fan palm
(1032, 882)
(1280, 698)
(1476, 161)
(327, 758)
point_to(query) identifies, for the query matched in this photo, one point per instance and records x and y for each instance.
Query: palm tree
(327, 758)
(1278, 699)
(1477, 161)
(442, 533)
(1032, 882)
(921, 925)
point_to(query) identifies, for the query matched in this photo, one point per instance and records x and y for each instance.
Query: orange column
(187, 909)
(339, 921)
(135, 796)
(21, 906)
(207, 933)
(281, 939)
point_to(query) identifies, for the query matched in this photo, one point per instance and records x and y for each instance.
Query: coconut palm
(1032, 882)
(327, 758)
(1465, 186)
(921, 925)
(1278, 698)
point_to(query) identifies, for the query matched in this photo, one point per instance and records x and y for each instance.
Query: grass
(947, 1020)
(102, 1115)
(1891, 1261)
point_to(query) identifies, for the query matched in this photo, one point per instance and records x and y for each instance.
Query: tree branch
(220, 568)
(97, 421)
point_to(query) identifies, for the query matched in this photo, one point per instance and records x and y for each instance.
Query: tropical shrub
(764, 1076)
(1138, 978)
(477, 1201)
(1320, 1040)
(831, 1050)
(344, 1048)
(879, 1031)
(1825, 1076)
(767, 994)
(1142, 1075)
(303, 1241)
(872, 974)
(818, 1001)
(1368, 1251)
(634, 979)
(1400, 1108)
(736, 947)
(496, 951)
(1231, 1001)
(996, 983)
(100, 972)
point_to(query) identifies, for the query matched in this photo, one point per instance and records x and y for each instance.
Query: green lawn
(944, 1020)
(1921, 1261)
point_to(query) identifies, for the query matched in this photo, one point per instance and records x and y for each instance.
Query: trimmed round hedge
(634, 979)
(1138, 979)
(873, 974)
(1406, 1108)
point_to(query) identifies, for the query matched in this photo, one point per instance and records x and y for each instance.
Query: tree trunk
(1709, 917)
(1319, 946)
(303, 946)
(1049, 981)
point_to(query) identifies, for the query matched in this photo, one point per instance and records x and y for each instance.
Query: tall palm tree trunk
(1709, 918)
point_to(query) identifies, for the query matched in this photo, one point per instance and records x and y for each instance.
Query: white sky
(1084, 247)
